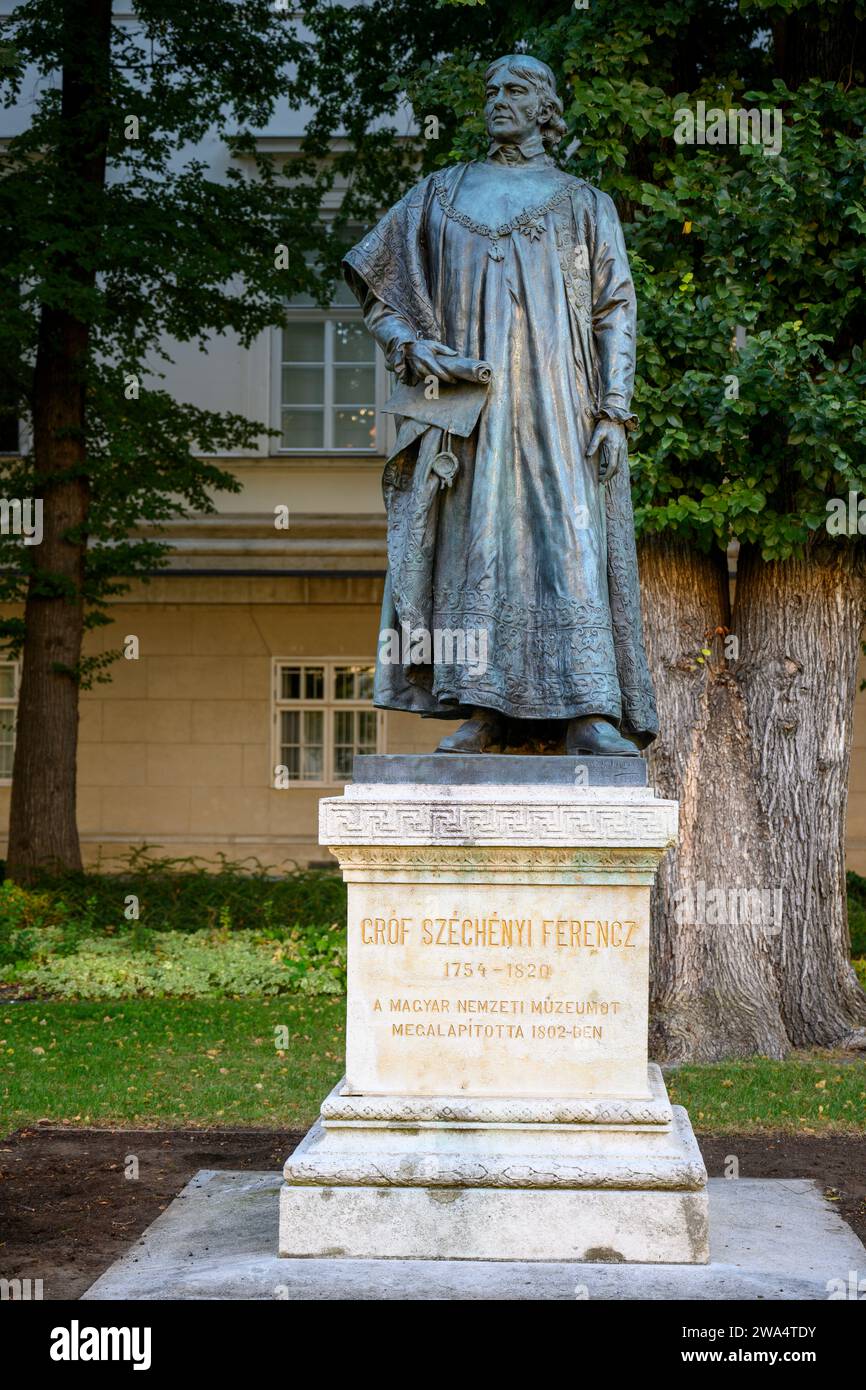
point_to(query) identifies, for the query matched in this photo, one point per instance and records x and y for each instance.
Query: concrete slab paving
(770, 1239)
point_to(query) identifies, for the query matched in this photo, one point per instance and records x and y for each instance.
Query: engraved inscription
(489, 935)
(475, 990)
(562, 933)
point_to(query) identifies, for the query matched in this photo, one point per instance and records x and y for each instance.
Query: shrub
(189, 895)
(23, 916)
(189, 965)
(246, 932)
(857, 913)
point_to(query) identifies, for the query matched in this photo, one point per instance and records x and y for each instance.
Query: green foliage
(186, 965)
(159, 249)
(183, 895)
(720, 237)
(197, 934)
(857, 913)
(23, 915)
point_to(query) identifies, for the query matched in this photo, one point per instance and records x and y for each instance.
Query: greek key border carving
(472, 823)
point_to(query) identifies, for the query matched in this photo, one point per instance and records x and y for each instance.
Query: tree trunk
(43, 830)
(817, 42)
(799, 622)
(714, 990)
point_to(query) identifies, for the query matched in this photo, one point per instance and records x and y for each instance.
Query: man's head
(520, 99)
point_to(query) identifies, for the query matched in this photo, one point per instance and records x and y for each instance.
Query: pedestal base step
(452, 1223)
(601, 1186)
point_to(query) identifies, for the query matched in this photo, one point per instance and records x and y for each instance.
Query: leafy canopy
(162, 249)
(749, 267)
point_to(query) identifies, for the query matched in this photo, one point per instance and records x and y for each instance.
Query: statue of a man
(509, 509)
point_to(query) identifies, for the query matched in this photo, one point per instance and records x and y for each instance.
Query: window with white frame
(330, 383)
(323, 716)
(330, 378)
(8, 712)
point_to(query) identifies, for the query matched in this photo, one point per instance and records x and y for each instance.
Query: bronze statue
(500, 293)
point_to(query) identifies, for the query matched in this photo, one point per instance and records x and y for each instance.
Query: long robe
(526, 553)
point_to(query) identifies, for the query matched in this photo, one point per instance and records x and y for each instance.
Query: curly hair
(541, 78)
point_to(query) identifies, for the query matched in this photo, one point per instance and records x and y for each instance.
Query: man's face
(511, 108)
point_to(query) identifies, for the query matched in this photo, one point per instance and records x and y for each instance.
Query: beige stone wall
(176, 751)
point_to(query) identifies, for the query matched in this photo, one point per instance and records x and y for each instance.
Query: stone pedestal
(498, 1102)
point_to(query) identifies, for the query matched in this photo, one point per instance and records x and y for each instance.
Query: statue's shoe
(596, 736)
(481, 732)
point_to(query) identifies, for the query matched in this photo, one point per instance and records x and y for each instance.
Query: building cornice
(230, 542)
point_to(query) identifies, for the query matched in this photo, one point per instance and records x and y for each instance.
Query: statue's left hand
(609, 438)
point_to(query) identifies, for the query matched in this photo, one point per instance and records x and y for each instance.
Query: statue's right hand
(423, 358)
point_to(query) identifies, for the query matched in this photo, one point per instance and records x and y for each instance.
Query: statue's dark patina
(500, 293)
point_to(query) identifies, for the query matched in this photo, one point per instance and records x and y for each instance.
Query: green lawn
(173, 1063)
(169, 1063)
(809, 1093)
